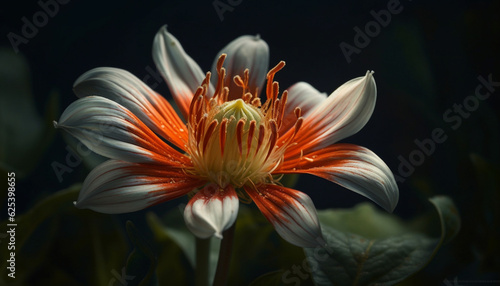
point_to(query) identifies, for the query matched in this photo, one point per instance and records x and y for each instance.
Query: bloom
(232, 146)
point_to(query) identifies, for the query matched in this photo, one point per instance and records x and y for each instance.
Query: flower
(232, 147)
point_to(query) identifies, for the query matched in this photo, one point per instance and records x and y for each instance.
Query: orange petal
(130, 92)
(122, 187)
(111, 130)
(291, 212)
(353, 167)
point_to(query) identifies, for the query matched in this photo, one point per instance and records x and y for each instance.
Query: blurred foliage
(57, 237)
(257, 249)
(370, 247)
(24, 135)
(65, 246)
(484, 218)
(430, 64)
(142, 260)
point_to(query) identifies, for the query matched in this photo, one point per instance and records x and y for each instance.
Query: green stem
(226, 247)
(202, 252)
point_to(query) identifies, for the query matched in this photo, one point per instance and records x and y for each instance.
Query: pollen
(235, 142)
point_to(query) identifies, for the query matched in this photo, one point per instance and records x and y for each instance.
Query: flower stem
(226, 247)
(202, 252)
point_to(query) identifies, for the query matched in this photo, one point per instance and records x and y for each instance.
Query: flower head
(234, 145)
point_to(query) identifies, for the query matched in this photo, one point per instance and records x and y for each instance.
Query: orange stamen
(239, 134)
(251, 131)
(256, 102)
(261, 138)
(222, 138)
(208, 133)
(298, 112)
(270, 78)
(274, 137)
(221, 72)
(200, 128)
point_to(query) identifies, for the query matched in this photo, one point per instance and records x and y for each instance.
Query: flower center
(238, 109)
(235, 142)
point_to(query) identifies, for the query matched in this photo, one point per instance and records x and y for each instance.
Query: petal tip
(78, 204)
(391, 202)
(162, 30)
(211, 211)
(393, 206)
(369, 76)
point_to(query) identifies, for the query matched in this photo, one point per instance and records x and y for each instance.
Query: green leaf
(448, 216)
(176, 248)
(365, 220)
(368, 247)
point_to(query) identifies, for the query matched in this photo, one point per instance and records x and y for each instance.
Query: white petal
(110, 130)
(121, 187)
(211, 211)
(353, 167)
(130, 92)
(291, 212)
(304, 96)
(342, 114)
(180, 71)
(244, 52)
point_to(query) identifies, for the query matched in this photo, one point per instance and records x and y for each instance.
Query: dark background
(426, 59)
